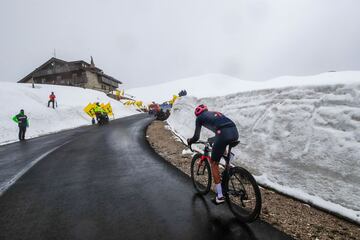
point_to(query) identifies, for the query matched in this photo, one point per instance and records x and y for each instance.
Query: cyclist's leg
(229, 135)
(223, 138)
(216, 154)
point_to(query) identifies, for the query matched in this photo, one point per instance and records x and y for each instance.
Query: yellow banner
(175, 97)
(108, 109)
(129, 103)
(91, 107)
(139, 104)
(89, 110)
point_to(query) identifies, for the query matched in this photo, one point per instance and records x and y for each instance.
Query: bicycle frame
(206, 157)
(236, 193)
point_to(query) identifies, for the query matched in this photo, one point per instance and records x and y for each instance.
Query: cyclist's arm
(197, 131)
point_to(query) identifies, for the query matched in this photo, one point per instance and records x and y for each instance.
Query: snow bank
(304, 141)
(194, 86)
(43, 120)
(212, 85)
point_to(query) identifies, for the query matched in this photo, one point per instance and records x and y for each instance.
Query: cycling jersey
(213, 121)
(225, 130)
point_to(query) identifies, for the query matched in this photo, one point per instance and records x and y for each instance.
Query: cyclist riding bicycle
(225, 133)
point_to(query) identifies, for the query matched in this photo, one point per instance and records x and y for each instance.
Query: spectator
(22, 121)
(52, 99)
(182, 93)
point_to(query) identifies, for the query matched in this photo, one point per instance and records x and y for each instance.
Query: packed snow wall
(304, 141)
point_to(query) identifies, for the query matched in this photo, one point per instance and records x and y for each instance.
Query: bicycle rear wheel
(243, 195)
(201, 174)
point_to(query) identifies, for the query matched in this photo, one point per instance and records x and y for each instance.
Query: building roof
(92, 69)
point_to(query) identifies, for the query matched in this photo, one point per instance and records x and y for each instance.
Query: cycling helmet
(199, 109)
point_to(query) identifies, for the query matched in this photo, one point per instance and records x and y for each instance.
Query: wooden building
(76, 73)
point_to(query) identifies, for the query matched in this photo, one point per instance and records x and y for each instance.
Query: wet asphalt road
(107, 183)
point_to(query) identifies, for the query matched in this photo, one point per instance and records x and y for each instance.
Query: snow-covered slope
(212, 85)
(303, 140)
(42, 120)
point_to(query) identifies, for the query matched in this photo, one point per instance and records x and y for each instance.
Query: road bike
(240, 189)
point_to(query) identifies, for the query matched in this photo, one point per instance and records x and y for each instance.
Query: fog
(142, 42)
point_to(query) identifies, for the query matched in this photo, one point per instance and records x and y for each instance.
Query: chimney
(92, 64)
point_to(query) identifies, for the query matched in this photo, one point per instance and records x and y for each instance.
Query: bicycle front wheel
(243, 195)
(201, 174)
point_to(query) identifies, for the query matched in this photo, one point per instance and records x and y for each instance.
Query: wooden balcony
(56, 70)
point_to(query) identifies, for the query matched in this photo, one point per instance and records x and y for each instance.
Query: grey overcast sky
(142, 42)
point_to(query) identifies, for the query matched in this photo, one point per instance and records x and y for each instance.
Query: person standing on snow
(23, 122)
(52, 99)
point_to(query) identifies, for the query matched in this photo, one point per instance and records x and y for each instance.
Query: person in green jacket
(23, 122)
(101, 115)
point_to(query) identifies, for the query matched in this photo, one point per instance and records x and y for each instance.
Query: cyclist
(225, 133)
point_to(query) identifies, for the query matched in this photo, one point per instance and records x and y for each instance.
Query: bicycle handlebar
(199, 142)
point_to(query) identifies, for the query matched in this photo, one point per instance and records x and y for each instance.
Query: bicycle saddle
(233, 144)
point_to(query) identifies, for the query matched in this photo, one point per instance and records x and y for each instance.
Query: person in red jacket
(52, 99)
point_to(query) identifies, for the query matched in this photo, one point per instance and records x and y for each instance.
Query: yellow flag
(139, 104)
(129, 103)
(173, 99)
(89, 110)
(108, 109)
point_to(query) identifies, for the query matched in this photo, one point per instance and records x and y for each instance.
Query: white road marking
(9, 183)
